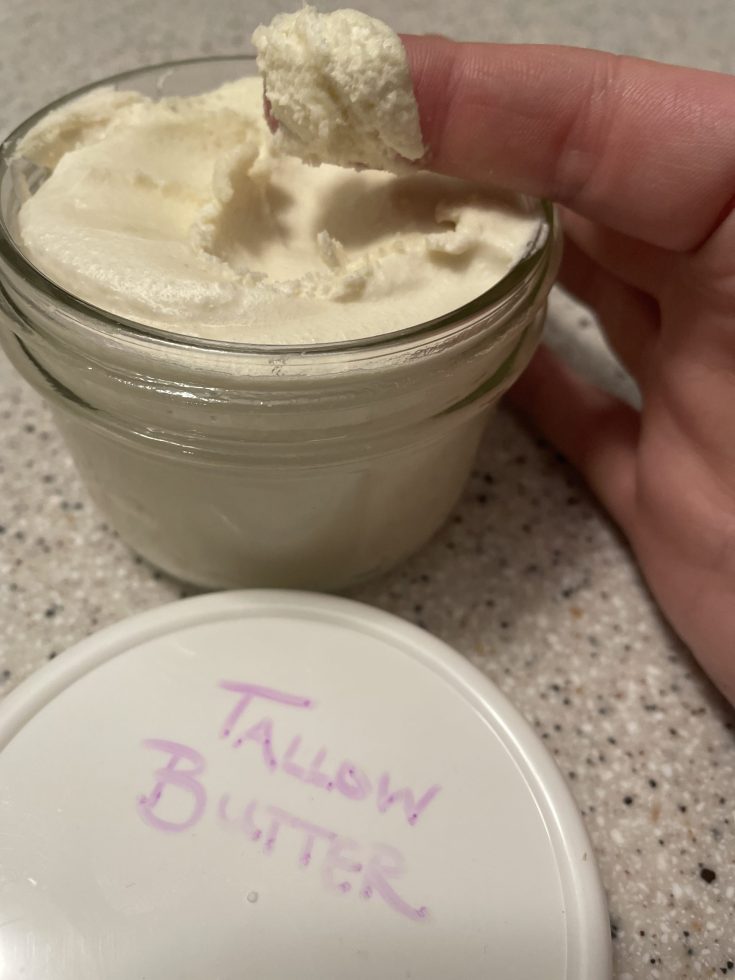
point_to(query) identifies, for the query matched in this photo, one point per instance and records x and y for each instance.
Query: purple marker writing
(178, 781)
(249, 691)
(349, 779)
(178, 799)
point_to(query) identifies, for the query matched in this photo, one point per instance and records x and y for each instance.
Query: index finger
(645, 148)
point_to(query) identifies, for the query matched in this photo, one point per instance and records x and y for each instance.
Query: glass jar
(229, 464)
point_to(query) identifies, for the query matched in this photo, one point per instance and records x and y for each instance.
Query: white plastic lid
(272, 785)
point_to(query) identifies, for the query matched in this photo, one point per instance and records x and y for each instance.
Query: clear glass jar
(232, 465)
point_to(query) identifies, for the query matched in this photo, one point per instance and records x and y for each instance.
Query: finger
(713, 266)
(268, 113)
(638, 264)
(595, 431)
(644, 148)
(628, 317)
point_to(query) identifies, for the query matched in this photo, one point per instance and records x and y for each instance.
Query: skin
(641, 157)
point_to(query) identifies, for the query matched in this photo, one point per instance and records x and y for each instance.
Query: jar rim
(10, 251)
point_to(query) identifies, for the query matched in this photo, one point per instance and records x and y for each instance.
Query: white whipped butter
(181, 213)
(255, 466)
(340, 89)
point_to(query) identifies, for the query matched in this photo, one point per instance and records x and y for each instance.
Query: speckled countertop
(529, 580)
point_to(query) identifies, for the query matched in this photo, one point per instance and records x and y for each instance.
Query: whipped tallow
(340, 89)
(181, 213)
(263, 467)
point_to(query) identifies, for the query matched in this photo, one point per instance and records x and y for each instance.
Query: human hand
(642, 158)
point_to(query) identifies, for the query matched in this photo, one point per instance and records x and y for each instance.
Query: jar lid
(277, 784)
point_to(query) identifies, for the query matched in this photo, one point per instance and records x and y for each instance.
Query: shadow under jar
(228, 464)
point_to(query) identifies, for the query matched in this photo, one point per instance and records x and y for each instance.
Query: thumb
(595, 431)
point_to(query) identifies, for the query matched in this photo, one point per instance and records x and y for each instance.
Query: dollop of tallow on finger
(339, 87)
